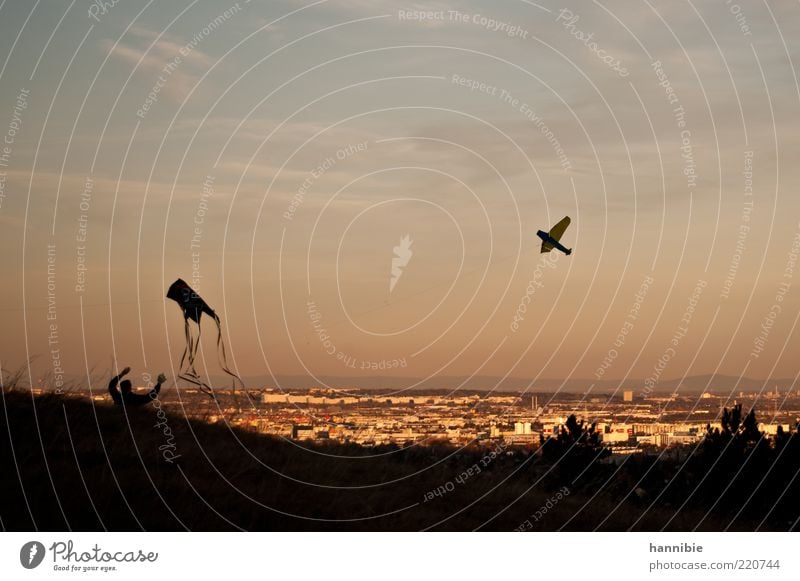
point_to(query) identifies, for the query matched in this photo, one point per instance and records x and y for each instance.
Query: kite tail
(188, 372)
(202, 385)
(223, 358)
(187, 352)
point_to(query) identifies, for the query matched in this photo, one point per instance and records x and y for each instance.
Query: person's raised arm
(160, 380)
(112, 385)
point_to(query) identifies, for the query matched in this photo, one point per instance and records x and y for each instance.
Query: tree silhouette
(734, 428)
(750, 431)
(577, 443)
(731, 420)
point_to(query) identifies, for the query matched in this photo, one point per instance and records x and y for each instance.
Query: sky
(278, 156)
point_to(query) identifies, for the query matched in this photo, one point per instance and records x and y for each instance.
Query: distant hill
(689, 385)
(694, 384)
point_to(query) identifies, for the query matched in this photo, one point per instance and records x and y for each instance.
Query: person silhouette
(125, 396)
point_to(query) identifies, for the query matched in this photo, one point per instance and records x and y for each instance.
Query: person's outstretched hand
(125, 371)
(161, 378)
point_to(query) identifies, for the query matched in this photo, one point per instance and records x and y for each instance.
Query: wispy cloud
(178, 64)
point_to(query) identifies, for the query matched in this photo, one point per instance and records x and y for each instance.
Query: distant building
(627, 395)
(772, 429)
(521, 428)
(653, 440)
(618, 433)
(302, 432)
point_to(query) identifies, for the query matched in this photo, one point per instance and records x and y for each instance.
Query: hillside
(66, 463)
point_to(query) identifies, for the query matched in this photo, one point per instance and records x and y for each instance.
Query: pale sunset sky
(274, 155)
